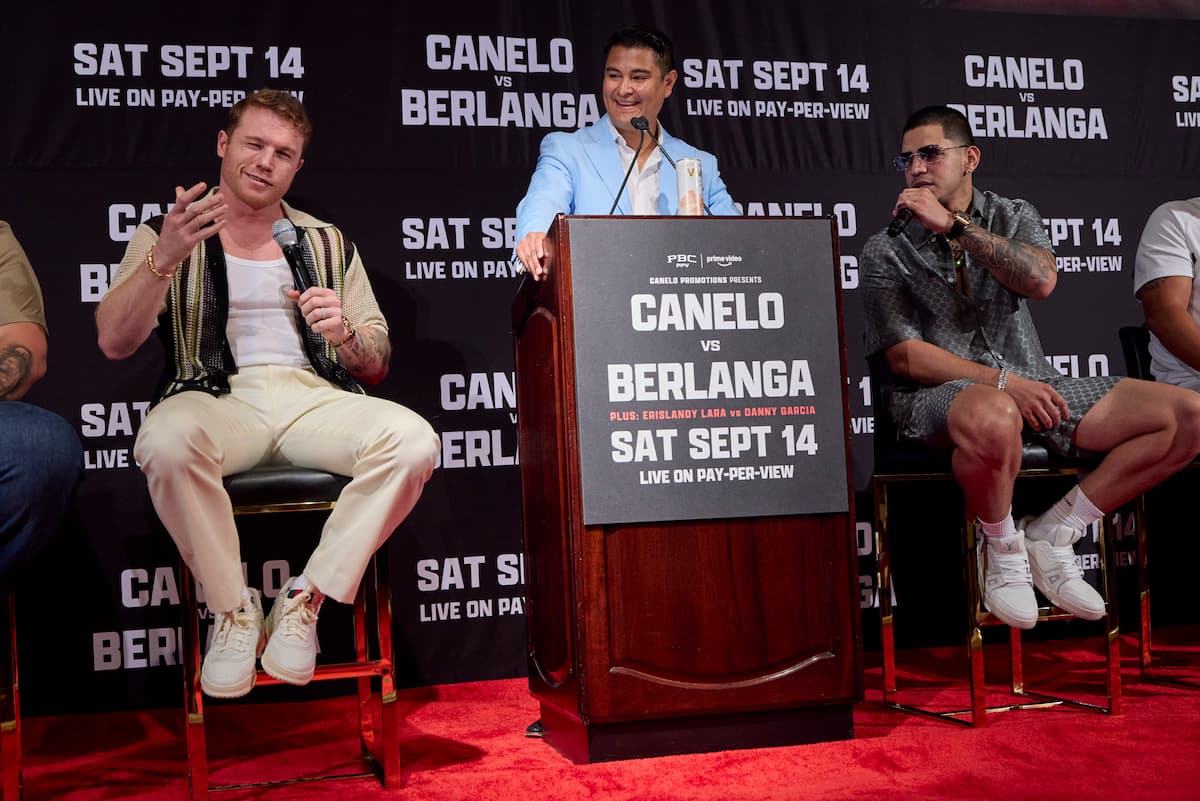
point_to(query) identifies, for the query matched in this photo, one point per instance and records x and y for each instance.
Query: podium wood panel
(668, 637)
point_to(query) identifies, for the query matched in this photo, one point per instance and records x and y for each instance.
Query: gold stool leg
(974, 618)
(366, 709)
(193, 700)
(1143, 570)
(389, 707)
(1112, 618)
(1016, 661)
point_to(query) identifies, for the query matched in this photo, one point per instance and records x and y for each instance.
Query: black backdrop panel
(427, 121)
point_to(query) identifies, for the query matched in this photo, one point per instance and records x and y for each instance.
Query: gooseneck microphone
(899, 222)
(286, 236)
(625, 180)
(643, 125)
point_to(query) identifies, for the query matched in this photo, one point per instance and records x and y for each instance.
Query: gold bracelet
(353, 333)
(150, 263)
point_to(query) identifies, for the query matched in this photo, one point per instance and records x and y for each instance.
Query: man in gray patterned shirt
(947, 307)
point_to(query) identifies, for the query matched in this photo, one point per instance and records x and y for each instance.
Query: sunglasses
(929, 154)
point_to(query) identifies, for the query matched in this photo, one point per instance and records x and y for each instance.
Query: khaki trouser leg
(185, 445)
(388, 451)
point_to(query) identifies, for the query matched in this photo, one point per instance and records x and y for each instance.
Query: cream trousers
(283, 415)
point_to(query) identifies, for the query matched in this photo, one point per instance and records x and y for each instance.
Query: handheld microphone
(899, 222)
(625, 180)
(285, 235)
(643, 125)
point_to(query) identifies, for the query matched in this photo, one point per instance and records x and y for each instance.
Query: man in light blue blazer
(581, 172)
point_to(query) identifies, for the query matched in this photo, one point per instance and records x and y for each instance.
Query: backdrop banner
(427, 120)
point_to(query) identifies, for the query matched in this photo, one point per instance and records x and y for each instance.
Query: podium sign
(713, 386)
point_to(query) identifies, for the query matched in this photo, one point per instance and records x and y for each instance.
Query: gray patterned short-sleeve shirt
(909, 292)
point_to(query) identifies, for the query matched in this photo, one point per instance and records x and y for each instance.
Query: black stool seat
(901, 458)
(283, 486)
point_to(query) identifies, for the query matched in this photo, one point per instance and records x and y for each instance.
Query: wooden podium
(664, 636)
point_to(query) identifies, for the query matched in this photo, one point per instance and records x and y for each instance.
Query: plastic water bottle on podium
(691, 190)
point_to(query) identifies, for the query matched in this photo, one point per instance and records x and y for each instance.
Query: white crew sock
(1004, 528)
(1074, 510)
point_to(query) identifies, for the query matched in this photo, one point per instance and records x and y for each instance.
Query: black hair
(954, 125)
(650, 38)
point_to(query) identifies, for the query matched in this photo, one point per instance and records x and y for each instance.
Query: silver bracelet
(1002, 381)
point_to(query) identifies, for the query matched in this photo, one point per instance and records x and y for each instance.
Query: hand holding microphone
(322, 310)
(320, 306)
(919, 203)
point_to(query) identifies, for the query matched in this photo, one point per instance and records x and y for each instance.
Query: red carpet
(466, 742)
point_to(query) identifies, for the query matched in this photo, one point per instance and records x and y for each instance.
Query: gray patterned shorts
(929, 410)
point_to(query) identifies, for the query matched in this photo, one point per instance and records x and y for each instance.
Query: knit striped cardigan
(192, 328)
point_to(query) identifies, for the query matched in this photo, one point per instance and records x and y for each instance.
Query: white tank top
(262, 319)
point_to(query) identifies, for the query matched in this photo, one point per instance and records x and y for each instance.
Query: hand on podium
(534, 255)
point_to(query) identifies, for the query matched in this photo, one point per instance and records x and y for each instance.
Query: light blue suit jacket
(580, 172)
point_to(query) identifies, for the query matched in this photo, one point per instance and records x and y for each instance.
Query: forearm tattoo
(366, 355)
(16, 364)
(1020, 266)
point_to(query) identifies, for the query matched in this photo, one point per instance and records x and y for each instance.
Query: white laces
(235, 630)
(298, 619)
(1014, 567)
(1065, 555)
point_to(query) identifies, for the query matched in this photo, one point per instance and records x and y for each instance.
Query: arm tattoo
(16, 364)
(1020, 266)
(366, 356)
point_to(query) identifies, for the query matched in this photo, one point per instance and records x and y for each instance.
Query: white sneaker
(291, 653)
(1007, 585)
(1059, 577)
(228, 670)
